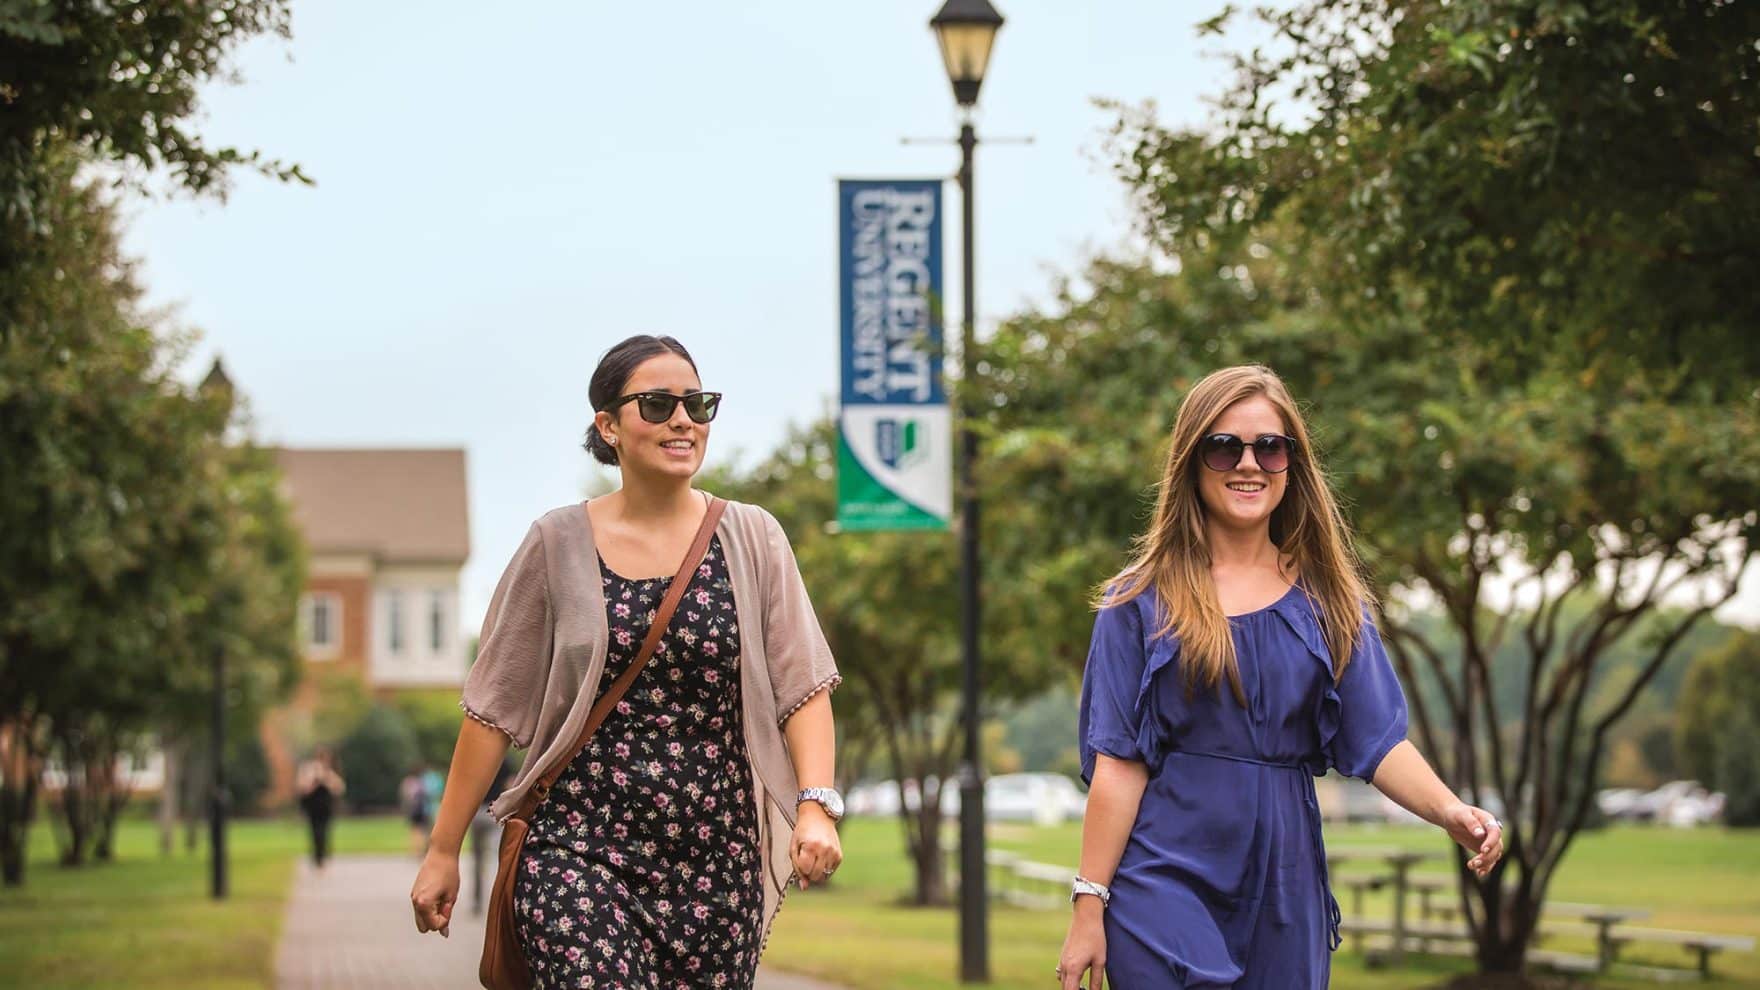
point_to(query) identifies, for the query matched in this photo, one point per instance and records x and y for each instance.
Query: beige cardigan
(543, 648)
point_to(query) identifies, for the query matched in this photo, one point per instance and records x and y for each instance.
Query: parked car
(1040, 798)
(881, 798)
(1619, 803)
(1680, 803)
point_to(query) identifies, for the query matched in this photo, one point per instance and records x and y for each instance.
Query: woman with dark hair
(660, 853)
(1233, 659)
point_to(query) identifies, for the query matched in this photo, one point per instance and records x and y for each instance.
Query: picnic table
(1399, 862)
(1604, 918)
(1043, 885)
(1704, 943)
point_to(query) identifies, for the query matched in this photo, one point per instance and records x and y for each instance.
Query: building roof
(398, 505)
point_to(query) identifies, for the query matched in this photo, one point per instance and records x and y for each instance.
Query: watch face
(828, 798)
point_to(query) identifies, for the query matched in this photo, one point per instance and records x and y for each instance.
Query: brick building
(387, 533)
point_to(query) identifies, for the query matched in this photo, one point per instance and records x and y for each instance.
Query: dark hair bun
(595, 444)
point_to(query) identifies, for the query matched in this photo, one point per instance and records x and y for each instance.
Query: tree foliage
(1717, 735)
(889, 605)
(136, 543)
(112, 83)
(122, 82)
(1564, 183)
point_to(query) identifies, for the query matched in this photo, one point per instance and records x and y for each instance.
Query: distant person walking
(1234, 658)
(412, 796)
(433, 786)
(660, 844)
(320, 788)
(483, 836)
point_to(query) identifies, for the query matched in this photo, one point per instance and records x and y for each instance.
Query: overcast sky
(504, 193)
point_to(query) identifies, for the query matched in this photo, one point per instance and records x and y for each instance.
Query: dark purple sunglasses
(1271, 451)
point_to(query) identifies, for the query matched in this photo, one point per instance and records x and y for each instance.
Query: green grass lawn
(145, 921)
(859, 933)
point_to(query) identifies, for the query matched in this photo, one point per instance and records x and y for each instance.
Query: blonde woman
(1233, 660)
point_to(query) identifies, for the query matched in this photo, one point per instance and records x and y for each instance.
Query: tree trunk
(110, 794)
(931, 861)
(20, 772)
(191, 773)
(73, 815)
(15, 820)
(168, 800)
(78, 804)
(1501, 951)
(1508, 911)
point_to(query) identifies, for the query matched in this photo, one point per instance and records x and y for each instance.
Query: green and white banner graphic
(895, 448)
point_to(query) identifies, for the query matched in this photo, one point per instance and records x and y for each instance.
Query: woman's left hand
(1479, 832)
(815, 848)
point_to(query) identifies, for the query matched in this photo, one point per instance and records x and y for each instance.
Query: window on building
(394, 620)
(323, 625)
(437, 622)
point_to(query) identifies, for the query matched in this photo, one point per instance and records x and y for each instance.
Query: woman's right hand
(1084, 950)
(435, 892)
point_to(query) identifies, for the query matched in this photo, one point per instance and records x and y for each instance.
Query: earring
(611, 440)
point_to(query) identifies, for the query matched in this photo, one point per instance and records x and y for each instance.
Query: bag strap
(615, 693)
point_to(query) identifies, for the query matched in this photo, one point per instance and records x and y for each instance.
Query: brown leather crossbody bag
(503, 966)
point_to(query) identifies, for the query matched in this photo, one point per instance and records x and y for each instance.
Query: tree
(84, 83)
(135, 543)
(1717, 727)
(64, 535)
(888, 603)
(376, 755)
(114, 85)
(1524, 223)
(1555, 181)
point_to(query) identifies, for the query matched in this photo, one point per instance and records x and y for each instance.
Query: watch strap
(1082, 885)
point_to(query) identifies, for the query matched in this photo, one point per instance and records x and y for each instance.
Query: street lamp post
(218, 386)
(966, 30)
(217, 796)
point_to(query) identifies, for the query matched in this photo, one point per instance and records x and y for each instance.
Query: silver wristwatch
(827, 797)
(1081, 886)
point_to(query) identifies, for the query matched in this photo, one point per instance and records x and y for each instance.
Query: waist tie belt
(1328, 903)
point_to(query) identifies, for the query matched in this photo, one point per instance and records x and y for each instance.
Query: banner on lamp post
(895, 431)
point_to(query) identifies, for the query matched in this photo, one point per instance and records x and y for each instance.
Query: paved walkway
(349, 927)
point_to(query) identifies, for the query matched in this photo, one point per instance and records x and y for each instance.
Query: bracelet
(1082, 885)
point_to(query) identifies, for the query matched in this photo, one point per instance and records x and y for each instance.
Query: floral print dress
(642, 868)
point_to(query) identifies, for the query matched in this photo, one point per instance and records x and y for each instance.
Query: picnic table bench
(1398, 862)
(1439, 926)
(1603, 918)
(1704, 943)
(1610, 929)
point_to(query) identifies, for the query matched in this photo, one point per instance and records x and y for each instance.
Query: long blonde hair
(1173, 555)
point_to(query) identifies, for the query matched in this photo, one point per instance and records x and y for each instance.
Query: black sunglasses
(657, 407)
(1271, 451)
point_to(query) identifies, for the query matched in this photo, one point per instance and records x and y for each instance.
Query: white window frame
(438, 640)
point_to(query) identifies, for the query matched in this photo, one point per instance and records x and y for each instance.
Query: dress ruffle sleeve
(800, 660)
(505, 686)
(1116, 714)
(1372, 708)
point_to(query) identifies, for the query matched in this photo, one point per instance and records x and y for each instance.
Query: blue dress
(1223, 880)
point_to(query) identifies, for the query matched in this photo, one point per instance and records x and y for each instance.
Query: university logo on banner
(895, 446)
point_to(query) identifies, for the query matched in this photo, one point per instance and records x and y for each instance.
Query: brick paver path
(349, 927)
